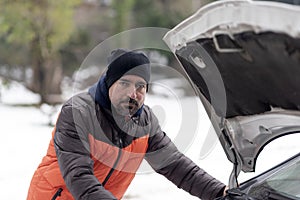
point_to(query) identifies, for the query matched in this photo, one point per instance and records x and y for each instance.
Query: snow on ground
(25, 135)
(24, 140)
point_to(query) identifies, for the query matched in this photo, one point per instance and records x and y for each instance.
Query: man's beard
(127, 107)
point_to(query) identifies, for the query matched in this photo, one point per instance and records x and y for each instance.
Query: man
(102, 136)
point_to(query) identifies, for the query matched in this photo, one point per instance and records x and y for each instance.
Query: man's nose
(132, 92)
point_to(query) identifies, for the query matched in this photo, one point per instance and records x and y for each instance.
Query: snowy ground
(25, 136)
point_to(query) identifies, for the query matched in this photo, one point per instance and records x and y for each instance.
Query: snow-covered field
(25, 135)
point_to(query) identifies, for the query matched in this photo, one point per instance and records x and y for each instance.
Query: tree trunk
(36, 63)
(52, 81)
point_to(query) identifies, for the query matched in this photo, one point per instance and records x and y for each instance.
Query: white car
(243, 60)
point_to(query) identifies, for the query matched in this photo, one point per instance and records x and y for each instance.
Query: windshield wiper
(275, 195)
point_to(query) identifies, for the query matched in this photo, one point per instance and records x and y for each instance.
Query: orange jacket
(47, 180)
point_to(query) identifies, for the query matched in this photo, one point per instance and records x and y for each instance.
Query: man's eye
(141, 86)
(122, 83)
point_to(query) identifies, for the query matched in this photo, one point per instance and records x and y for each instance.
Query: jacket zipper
(57, 194)
(115, 164)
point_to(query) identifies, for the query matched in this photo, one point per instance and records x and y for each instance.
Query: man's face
(127, 94)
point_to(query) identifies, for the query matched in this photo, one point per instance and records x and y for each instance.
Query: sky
(26, 133)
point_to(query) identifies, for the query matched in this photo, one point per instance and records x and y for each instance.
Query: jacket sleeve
(72, 150)
(166, 159)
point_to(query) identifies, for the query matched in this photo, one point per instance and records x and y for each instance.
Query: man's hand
(225, 191)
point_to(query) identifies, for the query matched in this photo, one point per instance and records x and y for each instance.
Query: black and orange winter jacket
(94, 155)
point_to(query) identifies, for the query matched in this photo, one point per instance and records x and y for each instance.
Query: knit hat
(122, 62)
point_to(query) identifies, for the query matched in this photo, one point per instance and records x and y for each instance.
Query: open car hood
(243, 60)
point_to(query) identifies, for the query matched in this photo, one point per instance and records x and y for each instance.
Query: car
(242, 58)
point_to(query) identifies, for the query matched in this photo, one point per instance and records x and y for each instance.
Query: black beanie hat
(122, 62)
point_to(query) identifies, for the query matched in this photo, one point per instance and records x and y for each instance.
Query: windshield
(283, 184)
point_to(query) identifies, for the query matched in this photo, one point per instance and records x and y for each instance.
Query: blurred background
(43, 43)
